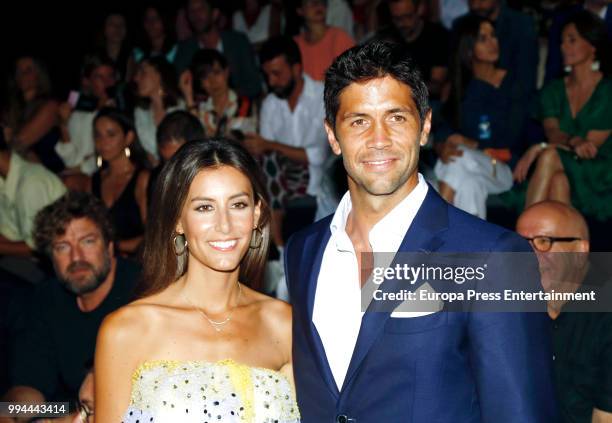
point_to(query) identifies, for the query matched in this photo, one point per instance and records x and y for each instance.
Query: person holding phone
(76, 146)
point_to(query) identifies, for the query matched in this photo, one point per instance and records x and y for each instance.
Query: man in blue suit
(371, 367)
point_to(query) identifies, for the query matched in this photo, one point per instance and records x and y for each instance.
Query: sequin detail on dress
(197, 391)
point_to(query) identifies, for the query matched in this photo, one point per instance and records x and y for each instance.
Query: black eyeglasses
(544, 243)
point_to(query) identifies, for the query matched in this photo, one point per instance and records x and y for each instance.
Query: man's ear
(426, 129)
(111, 249)
(331, 138)
(584, 246)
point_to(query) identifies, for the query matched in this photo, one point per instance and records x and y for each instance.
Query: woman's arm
(554, 134)
(140, 193)
(35, 128)
(115, 360)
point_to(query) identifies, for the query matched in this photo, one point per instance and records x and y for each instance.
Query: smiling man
(356, 366)
(51, 351)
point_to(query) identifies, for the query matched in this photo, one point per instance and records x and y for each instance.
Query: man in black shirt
(426, 42)
(54, 339)
(582, 341)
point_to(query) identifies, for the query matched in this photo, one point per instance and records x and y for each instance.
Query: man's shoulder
(235, 38)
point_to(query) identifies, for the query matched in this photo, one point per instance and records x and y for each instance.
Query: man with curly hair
(56, 340)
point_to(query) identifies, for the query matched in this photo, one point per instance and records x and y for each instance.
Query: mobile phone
(73, 98)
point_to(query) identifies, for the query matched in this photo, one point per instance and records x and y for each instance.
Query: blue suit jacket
(444, 367)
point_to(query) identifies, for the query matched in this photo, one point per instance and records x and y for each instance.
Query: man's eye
(61, 248)
(398, 118)
(358, 122)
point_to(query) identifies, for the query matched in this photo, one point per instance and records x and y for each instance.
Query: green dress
(590, 180)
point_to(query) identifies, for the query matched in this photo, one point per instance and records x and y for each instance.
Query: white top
(27, 188)
(146, 129)
(196, 391)
(338, 286)
(79, 152)
(301, 128)
(259, 31)
(451, 10)
(340, 14)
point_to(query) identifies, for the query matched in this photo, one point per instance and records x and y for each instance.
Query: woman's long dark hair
(167, 18)
(168, 78)
(161, 265)
(461, 72)
(18, 111)
(138, 155)
(593, 29)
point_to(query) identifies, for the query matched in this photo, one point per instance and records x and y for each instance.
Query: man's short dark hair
(53, 220)
(375, 59)
(179, 125)
(280, 46)
(93, 61)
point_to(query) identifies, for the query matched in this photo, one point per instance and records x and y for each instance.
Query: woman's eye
(240, 205)
(204, 208)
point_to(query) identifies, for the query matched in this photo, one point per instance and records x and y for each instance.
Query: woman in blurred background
(573, 166)
(157, 35)
(122, 180)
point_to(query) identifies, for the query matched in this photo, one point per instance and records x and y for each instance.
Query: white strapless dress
(198, 391)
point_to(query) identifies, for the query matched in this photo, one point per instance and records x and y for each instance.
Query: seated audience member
(426, 42)
(319, 43)
(32, 115)
(582, 341)
(51, 351)
(224, 113)
(259, 20)
(157, 87)
(157, 37)
(291, 142)
(115, 44)
(202, 16)
(576, 111)
(122, 178)
(76, 147)
(554, 58)
(25, 188)
(340, 15)
(175, 129)
(518, 43)
(487, 120)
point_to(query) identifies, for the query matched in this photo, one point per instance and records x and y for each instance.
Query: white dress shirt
(338, 286)
(300, 128)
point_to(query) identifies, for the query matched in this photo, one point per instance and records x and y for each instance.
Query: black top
(428, 50)
(124, 213)
(582, 348)
(56, 341)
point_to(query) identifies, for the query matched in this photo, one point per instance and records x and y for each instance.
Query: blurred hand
(585, 149)
(447, 151)
(522, 166)
(255, 144)
(65, 111)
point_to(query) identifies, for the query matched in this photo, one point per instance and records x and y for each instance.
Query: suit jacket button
(342, 418)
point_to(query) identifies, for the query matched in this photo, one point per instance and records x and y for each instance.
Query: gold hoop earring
(256, 238)
(179, 250)
(127, 152)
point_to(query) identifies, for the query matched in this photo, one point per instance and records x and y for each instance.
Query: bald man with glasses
(582, 342)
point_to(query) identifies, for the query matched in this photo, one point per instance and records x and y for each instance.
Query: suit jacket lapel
(431, 219)
(312, 256)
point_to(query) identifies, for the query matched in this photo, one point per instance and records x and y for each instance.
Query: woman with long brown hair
(200, 343)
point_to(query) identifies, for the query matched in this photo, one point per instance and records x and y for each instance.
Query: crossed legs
(549, 181)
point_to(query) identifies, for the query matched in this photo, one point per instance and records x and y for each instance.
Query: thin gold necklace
(218, 326)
